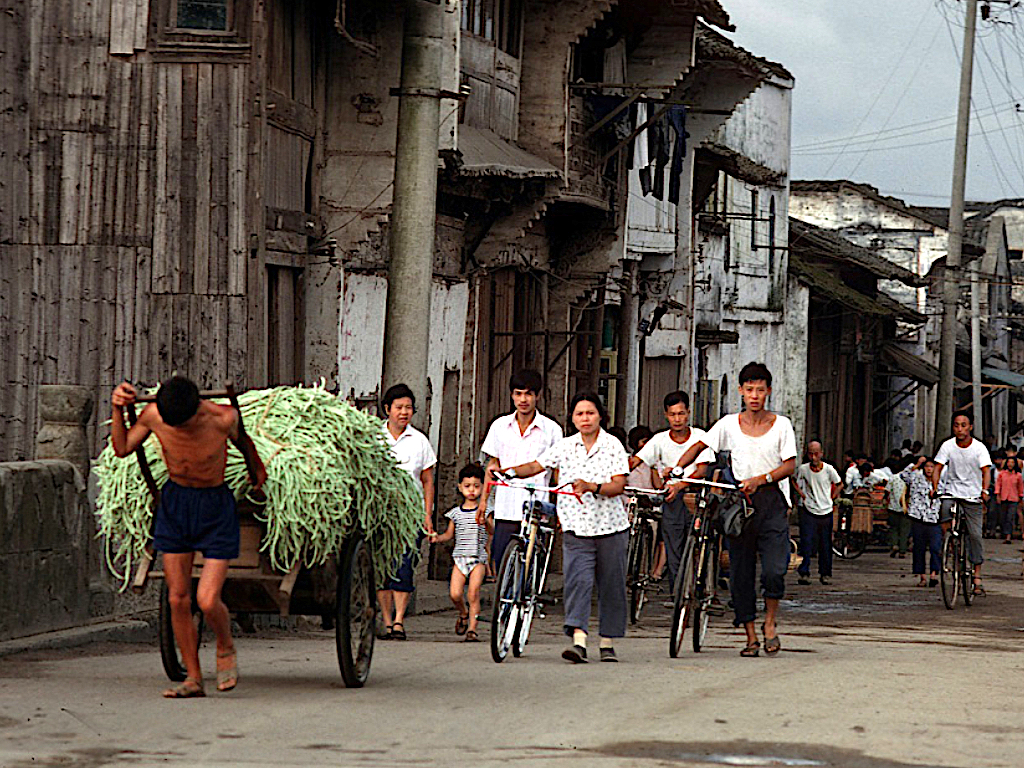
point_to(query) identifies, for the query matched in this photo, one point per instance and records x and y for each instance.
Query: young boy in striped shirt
(470, 553)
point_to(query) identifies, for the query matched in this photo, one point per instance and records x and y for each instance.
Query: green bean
(329, 473)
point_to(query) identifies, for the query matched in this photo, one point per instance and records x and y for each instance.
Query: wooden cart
(342, 590)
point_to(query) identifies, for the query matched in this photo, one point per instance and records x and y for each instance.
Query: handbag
(733, 513)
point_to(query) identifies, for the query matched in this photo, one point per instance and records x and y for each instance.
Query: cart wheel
(168, 648)
(356, 612)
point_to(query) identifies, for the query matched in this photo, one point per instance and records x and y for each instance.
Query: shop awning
(910, 364)
(484, 153)
(1003, 376)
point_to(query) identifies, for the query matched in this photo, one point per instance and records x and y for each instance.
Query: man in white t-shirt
(817, 486)
(661, 454)
(518, 438)
(965, 467)
(414, 454)
(763, 453)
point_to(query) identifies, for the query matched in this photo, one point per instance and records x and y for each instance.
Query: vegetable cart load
(337, 510)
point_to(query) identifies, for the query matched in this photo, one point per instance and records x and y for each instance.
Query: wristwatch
(768, 479)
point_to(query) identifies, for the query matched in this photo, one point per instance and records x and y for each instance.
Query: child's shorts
(467, 564)
(197, 520)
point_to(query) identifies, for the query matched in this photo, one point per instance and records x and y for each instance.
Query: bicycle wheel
(949, 577)
(681, 612)
(528, 600)
(848, 545)
(507, 604)
(704, 588)
(635, 573)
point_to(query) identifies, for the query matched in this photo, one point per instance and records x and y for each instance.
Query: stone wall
(46, 535)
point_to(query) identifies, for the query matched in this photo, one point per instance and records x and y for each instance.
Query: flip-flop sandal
(752, 650)
(772, 645)
(979, 591)
(461, 624)
(227, 678)
(472, 637)
(187, 689)
(396, 633)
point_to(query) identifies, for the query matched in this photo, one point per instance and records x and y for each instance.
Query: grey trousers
(587, 560)
(973, 516)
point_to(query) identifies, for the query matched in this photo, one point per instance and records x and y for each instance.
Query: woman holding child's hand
(595, 527)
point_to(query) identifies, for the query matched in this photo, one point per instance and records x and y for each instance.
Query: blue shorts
(403, 579)
(197, 520)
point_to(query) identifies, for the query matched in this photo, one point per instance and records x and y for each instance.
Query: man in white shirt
(817, 486)
(661, 453)
(518, 438)
(968, 468)
(414, 454)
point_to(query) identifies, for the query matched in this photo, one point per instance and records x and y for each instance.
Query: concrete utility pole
(407, 322)
(979, 421)
(951, 283)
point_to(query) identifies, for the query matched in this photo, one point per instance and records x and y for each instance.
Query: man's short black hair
(907, 444)
(918, 445)
(471, 470)
(637, 435)
(755, 372)
(965, 413)
(177, 400)
(397, 392)
(527, 379)
(675, 398)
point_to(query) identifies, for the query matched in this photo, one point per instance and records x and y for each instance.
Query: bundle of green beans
(329, 473)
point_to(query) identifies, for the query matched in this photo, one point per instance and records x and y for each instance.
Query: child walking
(470, 553)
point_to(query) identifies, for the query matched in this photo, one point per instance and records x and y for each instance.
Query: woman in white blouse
(763, 448)
(595, 530)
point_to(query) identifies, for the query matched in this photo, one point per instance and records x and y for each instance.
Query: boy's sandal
(772, 645)
(752, 649)
(461, 624)
(472, 637)
(227, 678)
(396, 633)
(190, 688)
(978, 590)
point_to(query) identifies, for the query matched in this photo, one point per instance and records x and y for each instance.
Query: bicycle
(696, 588)
(643, 507)
(523, 570)
(957, 574)
(847, 543)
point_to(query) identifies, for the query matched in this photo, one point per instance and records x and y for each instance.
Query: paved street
(874, 672)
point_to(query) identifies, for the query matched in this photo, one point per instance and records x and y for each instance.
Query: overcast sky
(885, 75)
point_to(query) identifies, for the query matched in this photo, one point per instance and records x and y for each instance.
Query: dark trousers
(504, 530)
(927, 539)
(815, 533)
(899, 531)
(600, 560)
(675, 527)
(1007, 516)
(766, 534)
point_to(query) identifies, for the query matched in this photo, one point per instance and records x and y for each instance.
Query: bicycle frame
(642, 508)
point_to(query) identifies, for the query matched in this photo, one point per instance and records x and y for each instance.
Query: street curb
(120, 631)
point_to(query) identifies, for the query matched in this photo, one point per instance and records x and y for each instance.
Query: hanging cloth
(677, 117)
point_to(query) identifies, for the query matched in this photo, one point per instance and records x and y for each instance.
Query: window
(755, 212)
(771, 235)
(500, 21)
(210, 15)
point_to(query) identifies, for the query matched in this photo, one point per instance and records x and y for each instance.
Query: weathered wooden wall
(125, 209)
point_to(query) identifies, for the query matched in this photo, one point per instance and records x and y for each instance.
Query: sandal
(472, 637)
(396, 633)
(978, 591)
(461, 624)
(227, 678)
(753, 649)
(772, 645)
(190, 688)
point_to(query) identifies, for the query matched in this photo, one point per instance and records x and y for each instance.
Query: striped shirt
(470, 536)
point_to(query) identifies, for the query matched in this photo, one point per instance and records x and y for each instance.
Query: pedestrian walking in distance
(595, 529)
(1009, 491)
(817, 486)
(763, 448)
(924, 519)
(196, 513)
(470, 553)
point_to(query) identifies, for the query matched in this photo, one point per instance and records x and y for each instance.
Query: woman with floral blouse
(595, 529)
(924, 519)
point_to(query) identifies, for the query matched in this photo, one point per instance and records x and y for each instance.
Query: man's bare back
(195, 452)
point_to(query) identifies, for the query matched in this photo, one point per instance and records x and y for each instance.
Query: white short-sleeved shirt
(754, 456)
(817, 487)
(511, 448)
(412, 451)
(961, 476)
(662, 452)
(591, 515)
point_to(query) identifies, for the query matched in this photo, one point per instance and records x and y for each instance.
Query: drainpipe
(407, 321)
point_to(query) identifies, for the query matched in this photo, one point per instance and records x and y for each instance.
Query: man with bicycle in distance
(965, 468)
(763, 451)
(817, 487)
(518, 438)
(661, 454)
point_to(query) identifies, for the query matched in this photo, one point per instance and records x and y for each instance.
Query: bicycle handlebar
(525, 485)
(652, 493)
